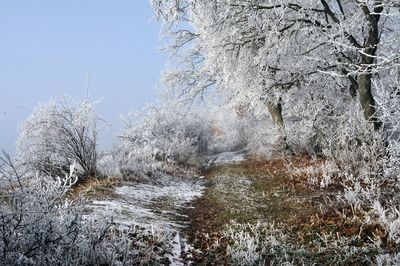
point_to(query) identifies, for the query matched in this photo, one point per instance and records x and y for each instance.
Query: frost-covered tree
(58, 134)
(260, 49)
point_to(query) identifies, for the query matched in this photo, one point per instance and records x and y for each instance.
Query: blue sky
(47, 47)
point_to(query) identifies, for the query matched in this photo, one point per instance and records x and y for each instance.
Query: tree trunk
(367, 60)
(367, 99)
(275, 111)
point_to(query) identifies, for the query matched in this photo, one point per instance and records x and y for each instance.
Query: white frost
(151, 204)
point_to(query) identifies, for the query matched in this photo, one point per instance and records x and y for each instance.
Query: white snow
(150, 204)
(175, 257)
(153, 206)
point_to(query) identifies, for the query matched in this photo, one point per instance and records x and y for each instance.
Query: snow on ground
(150, 204)
(177, 244)
(158, 205)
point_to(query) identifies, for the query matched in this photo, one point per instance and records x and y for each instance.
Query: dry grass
(95, 188)
(267, 191)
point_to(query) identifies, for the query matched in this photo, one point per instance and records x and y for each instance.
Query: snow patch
(150, 205)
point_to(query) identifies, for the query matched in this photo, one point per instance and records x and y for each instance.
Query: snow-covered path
(158, 205)
(152, 205)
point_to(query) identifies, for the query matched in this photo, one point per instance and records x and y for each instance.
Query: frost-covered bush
(354, 146)
(360, 151)
(375, 190)
(107, 165)
(331, 123)
(388, 101)
(161, 138)
(40, 225)
(58, 134)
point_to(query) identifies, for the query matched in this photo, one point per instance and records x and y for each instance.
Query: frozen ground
(155, 205)
(158, 205)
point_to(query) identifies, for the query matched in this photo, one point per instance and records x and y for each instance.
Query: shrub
(40, 226)
(58, 134)
(161, 138)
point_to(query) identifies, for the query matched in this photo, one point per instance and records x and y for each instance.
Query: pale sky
(47, 47)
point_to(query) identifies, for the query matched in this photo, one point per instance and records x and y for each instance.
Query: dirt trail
(163, 205)
(233, 189)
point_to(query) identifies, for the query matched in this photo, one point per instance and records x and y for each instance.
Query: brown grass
(94, 187)
(274, 195)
